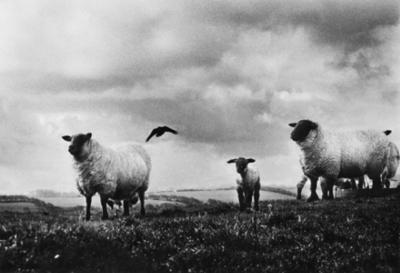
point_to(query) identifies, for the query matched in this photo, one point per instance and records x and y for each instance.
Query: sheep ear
(231, 160)
(67, 138)
(387, 132)
(293, 124)
(250, 160)
(88, 136)
(313, 125)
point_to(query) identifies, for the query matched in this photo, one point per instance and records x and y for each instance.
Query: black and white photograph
(199, 136)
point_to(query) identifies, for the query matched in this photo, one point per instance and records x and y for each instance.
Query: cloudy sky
(228, 75)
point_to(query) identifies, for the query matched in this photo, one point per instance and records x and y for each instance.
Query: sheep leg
(141, 197)
(361, 182)
(353, 184)
(126, 207)
(103, 201)
(256, 197)
(327, 188)
(249, 197)
(386, 183)
(88, 204)
(324, 188)
(330, 189)
(313, 188)
(241, 198)
(300, 187)
(376, 184)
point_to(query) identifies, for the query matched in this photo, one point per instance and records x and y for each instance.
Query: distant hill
(281, 190)
(51, 193)
(22, 203)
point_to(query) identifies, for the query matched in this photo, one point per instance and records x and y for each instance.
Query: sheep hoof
(313, 197)
(248, 210)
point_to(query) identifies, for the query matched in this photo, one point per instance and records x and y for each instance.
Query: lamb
(332, 155)
(249, 183)
(392, 164)
(117, 174)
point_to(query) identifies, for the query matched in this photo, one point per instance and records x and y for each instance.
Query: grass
(354, 235)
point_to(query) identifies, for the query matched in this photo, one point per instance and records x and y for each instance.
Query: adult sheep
(331, 155)
(118, 174)
(248, 184)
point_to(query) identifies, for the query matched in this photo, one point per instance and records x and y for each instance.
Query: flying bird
(159, 131)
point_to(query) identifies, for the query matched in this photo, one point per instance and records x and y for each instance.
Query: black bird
(159, 131)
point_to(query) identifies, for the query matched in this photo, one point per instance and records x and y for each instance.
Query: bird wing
(167, 129)
(152, 134)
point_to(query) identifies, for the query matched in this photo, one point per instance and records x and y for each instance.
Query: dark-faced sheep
(248, 185)
(118, 174)
(331, 155)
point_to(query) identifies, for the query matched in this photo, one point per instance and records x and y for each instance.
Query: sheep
(392, 164)
(332, 155)
(117, 174)
(249, 183)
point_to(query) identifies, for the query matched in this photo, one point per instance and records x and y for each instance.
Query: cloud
(228, 75)
(101, 45)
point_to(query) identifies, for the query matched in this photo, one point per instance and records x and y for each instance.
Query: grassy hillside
(359, 235)
(21, 203)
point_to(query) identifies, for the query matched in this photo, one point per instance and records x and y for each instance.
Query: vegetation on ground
(351, 235)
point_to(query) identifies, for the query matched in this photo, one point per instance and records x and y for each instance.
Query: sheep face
(302, 130)
(241, 163)
(79, 147)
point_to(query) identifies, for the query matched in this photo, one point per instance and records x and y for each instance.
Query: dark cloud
(182, 36)
(202, 120)
(232, 128)
(364, 65)
(348, 23)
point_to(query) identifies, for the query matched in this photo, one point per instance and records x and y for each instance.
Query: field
(349, 235)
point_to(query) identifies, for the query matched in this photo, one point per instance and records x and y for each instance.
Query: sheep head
(302, 129)
(79, 147)
(241, 163)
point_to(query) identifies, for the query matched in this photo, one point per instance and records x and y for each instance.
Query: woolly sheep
(117, 174)
(248, 184)
(331, 155)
